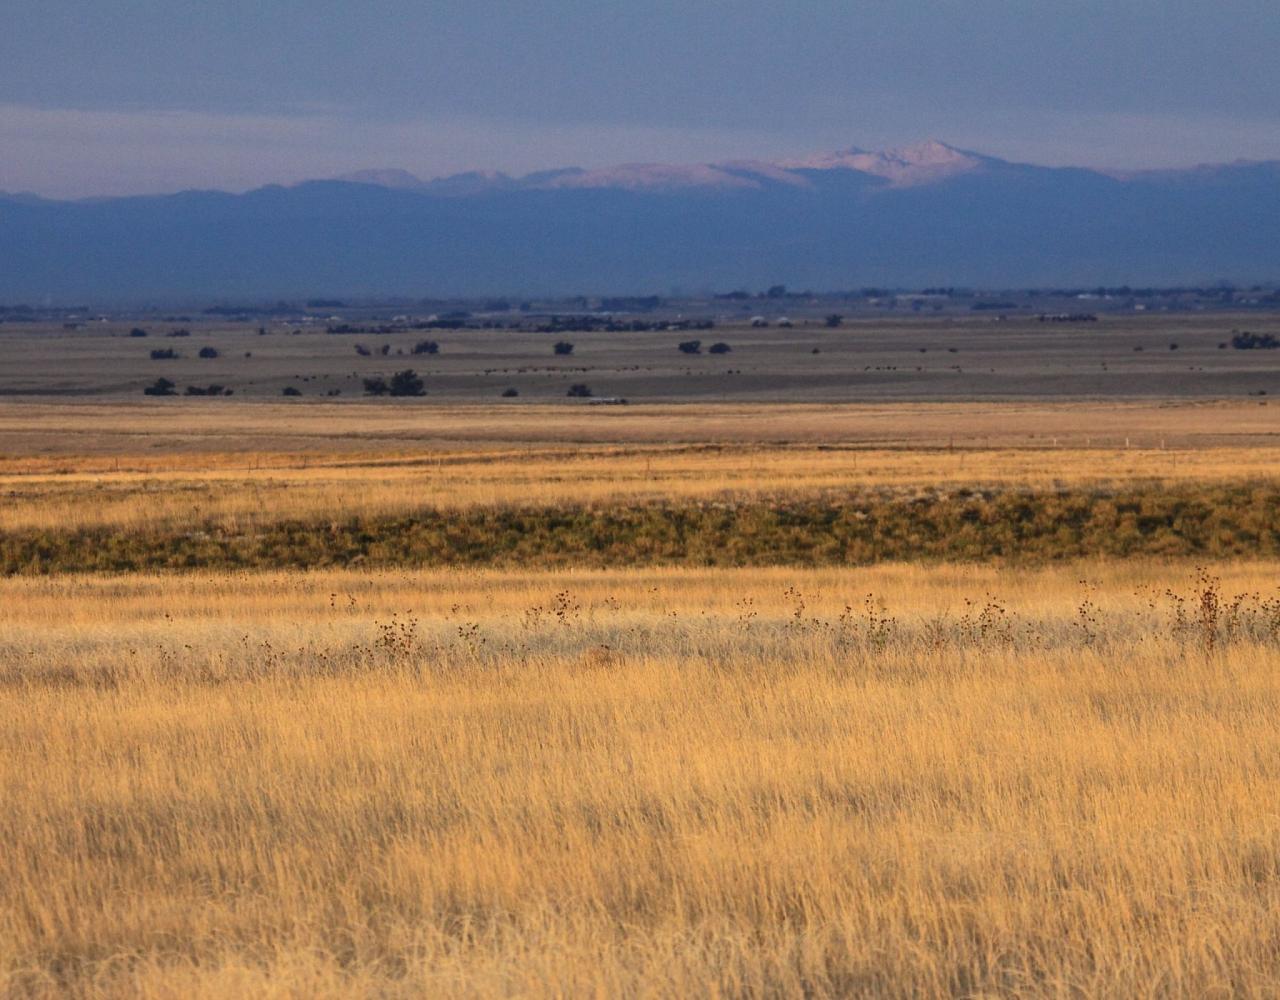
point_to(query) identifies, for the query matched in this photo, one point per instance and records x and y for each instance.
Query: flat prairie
(1153, 356)
(845, 683)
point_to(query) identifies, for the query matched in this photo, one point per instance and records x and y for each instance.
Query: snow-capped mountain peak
(922, 163)
(909, 165)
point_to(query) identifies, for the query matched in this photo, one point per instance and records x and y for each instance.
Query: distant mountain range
(925, 215)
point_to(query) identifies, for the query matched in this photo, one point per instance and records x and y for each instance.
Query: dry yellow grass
(127, 465)
(317, 488)
(667, 782)
(662, 782)
(169, 434)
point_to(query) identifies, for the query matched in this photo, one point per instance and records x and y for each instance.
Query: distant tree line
(605, 324)
(1243, 340)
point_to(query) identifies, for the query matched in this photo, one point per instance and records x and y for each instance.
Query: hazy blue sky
(114, 96)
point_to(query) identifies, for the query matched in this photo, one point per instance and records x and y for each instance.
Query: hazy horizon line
(157, 152)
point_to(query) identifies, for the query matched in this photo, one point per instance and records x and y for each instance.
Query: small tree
(137, 331)
(510, 392)
(690, 346)
(834, 320)
(579, 390)
(375, 386)
(208, 352)
(406, 383)
(563, 347)
(719, 348)
(290, 390)
(363, 351)
(426, 347)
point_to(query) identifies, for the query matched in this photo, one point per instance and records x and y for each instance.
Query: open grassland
(155, 435)
(481, 701)
(892, 781)
(218, 495)
(119, 487)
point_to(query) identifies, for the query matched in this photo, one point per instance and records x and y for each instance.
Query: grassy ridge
(1192, 520)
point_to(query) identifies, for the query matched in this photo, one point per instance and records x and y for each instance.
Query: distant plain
(953, 357)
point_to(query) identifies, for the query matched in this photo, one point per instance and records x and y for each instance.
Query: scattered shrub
(406, 383)
(208, 352)
(402, 383)
(1243, 340)
(1201, 521)
(160, 387)
(510, 392)
(164, 354)
(719, 348)
(137, 331)
(563, 347)
(290, 390)
(426, 347)
(385, 350)
(178, 333)
(690, 346)
(579, 390)
(208, 390)
(363, 351)
(834, 320)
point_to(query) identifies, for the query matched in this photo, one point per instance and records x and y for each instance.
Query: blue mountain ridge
(981, 222)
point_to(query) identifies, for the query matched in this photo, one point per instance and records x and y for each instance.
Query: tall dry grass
(222, 492)
(668, 782)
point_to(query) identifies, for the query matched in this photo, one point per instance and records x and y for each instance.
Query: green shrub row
(1232, 520)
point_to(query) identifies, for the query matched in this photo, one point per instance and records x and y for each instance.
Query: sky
(110, 97)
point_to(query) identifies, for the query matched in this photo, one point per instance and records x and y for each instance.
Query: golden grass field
(307, 489)
(903, 780)
(125, 465)
(661, 782)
